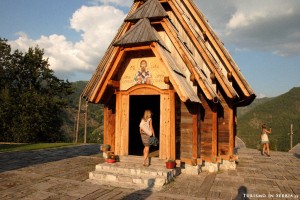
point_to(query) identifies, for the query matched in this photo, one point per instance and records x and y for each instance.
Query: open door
(138, 104)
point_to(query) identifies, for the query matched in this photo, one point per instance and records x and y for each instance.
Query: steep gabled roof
(152, 9)
(215, 60)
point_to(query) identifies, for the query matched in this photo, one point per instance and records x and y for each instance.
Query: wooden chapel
(166, 58)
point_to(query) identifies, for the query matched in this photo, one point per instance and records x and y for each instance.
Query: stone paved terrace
(62, 174)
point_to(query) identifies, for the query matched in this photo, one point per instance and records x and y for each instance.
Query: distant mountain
(243, 110)
(279, 113)
(94, 120)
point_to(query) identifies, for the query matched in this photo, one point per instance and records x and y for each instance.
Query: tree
(31, 97)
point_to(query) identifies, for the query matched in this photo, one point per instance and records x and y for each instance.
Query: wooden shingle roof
(152, 9)
(141, 33)
(179, 79)
(137, 30)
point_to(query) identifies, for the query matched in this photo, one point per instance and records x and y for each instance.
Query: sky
(263, 37)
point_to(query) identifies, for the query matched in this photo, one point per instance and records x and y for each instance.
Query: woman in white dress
(265, 139)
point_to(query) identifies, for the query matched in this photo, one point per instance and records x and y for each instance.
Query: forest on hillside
(279, 113)
(94, 117)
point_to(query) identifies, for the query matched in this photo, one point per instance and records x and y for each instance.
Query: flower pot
(109, 160)
(170, 164)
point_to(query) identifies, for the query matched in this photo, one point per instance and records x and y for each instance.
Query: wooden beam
(114, 84)
(113, 64)
(167, 80)
(99, 84)
(206, 56)
(137, 48)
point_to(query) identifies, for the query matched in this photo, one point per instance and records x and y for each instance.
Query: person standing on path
(265, 139)
(146, 130)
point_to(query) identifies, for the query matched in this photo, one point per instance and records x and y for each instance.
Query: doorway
(138, 104)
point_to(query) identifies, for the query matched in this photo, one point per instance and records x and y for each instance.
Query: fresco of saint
(143, 75)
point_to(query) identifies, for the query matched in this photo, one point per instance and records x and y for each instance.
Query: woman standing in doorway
(146, 130)
(265, 139)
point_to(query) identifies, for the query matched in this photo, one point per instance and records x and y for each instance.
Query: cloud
(261, 95)
(97, 26)
(122, 3)
(269, 25)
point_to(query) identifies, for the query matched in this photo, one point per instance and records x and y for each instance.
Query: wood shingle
(141, 33)
(152, 9)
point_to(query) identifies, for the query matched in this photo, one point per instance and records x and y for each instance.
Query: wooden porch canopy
(179, 35)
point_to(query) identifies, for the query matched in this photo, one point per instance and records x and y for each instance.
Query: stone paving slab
(62, 174)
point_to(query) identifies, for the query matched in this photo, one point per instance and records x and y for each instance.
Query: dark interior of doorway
(138, 104)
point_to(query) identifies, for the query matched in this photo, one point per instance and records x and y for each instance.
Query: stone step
(133, 169)
(135, 182)
(130, 173)
(139, 159)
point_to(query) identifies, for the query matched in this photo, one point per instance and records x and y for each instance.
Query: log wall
(226, 124)
(186, 132)
(206, 130)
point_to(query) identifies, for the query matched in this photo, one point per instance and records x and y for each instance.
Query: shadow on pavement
(141, 194)
(242, 194)
(297, 155)
(16, 160)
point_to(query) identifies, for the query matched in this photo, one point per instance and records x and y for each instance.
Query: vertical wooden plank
(162, 140)
(206, 129)
(214, 131)
(105, 123)
(186, 131)
(231, 131)
(195, 134)
(172, 125)
(165, 128)
(124, 137)
(111, 129)
(167, 125)
(199, 130)
(118, 124)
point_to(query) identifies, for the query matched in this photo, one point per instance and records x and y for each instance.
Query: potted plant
(111, 158)
(170, 164)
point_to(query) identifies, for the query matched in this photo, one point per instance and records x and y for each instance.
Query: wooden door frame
(167, 119)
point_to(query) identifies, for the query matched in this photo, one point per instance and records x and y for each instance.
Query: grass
(7, 147)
